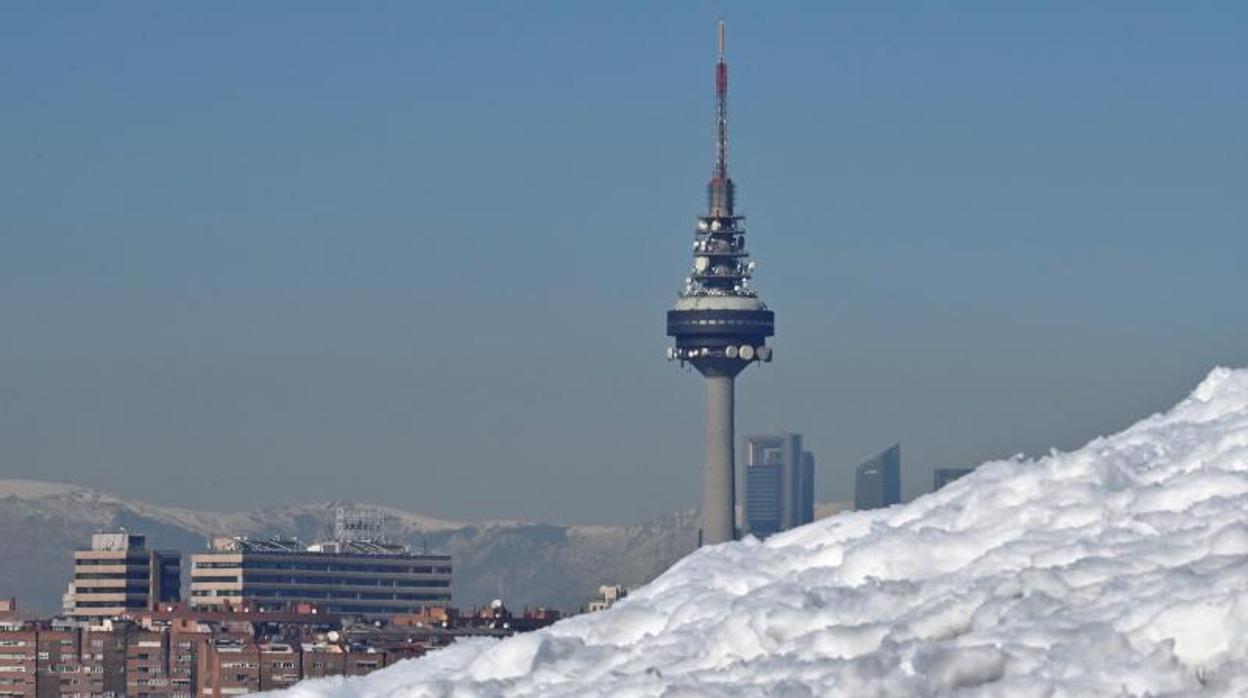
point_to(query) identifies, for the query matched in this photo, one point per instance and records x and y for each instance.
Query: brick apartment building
(41, 662)
(176, 651)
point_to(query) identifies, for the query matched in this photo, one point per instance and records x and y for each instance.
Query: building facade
(118, 575)
(808, 483)
(779, 484)
(608, 596)
(358, 578)
(944, 476)
(877, 481)
(762, 499)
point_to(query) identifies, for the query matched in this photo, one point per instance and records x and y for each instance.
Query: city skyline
(248, 245)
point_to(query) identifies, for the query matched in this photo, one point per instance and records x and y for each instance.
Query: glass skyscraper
(779, 484)
(877, 482)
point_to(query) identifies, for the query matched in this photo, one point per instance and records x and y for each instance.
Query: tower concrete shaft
(719, 495)
(719, 323)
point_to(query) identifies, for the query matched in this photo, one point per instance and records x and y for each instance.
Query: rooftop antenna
(359, 525)
(720, 190)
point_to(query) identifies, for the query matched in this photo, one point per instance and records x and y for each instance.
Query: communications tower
(719, 323)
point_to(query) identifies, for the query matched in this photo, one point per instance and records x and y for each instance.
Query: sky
(419, 254)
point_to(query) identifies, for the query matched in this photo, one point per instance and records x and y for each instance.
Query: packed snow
(1117, 569)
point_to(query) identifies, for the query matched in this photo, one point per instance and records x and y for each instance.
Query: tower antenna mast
(720, 193)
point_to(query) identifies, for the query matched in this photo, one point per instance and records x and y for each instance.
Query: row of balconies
(397, 567)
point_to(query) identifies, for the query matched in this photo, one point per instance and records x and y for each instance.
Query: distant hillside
(522, 563)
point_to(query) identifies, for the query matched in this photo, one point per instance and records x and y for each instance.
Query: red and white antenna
(720, 194)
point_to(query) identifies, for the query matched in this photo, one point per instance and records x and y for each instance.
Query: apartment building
(17, 663)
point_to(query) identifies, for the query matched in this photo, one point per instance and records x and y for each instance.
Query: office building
(608, 595)
(944, 476)
(762, 499)
(118, 575)
(807, 500)
(363, 578)
(877, 482)
(779, 484)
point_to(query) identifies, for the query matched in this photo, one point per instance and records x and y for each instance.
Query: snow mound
(1117, 569)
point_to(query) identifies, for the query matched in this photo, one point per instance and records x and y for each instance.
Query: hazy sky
(419, 254)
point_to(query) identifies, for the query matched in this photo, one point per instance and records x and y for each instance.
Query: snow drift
(1118, 569)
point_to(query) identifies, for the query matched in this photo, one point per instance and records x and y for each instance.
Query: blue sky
(419, 253)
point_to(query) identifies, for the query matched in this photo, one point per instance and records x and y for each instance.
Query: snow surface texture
(1118, 569)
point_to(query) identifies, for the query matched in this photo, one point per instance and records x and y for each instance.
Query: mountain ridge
(524, 563)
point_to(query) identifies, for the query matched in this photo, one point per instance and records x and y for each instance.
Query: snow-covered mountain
(1117, 569)
(522, 563)
(83, 502)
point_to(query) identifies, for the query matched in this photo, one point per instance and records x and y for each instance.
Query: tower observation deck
(719, 323)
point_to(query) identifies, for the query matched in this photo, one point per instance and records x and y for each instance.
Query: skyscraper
(944, 476)
(763, 513)
(779, 483)
(877, 482)
(719, 322)
(807, 500)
